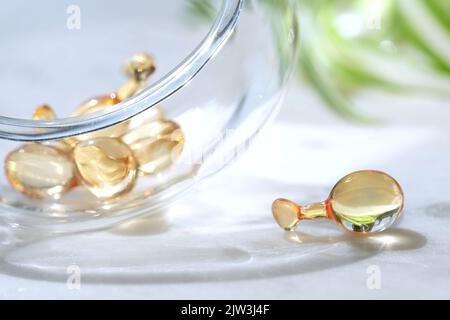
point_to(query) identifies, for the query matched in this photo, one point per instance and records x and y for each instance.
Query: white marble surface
(220, 240)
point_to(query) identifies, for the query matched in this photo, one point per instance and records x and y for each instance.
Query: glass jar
(221, 70)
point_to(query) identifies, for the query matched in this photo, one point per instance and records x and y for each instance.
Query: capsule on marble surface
(106, 166)
(39, 170)
(363, 202)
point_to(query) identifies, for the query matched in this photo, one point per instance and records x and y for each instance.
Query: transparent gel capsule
(146, 117)
(366, 201)
(156, 145)
(362, 202)
(154, 130)
(140, 67)
(106, 166)
(39, 170)
(44, 112)
(153, 156)
(94, 105)
(138, 70)
(286, 213)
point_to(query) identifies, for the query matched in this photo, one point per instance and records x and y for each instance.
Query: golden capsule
(366, 201)
(363, 202)
(146, 117)
(286, 213)
(106, 166)
(94, 105)
(39, 170)
(44, 112)
(154, 130)
(154, 156)
(155, 145)
(138, 69)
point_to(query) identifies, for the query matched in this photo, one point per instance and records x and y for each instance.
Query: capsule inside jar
(44, 112)
(107, 161)
(106, 166)
(155, 145)
(94, 105)
(39, 170)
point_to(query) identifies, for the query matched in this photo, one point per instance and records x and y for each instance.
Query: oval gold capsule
(154, 130)
(94, 105)
(106, 166)
(153, 156)
(146, 117)
(44, 112)
(39, 170)
(155, 145)
(140, 67)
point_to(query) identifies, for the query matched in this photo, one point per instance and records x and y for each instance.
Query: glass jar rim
(40, 130)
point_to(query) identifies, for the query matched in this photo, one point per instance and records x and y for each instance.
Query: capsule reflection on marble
(40, 171)
(106, 166)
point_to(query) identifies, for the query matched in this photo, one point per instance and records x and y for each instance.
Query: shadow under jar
(220, 75)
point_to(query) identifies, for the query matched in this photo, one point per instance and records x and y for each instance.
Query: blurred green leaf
(341, 38)
(201, 9)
